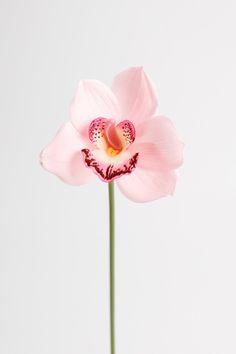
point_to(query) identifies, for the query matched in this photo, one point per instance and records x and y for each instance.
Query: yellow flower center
(112, 152)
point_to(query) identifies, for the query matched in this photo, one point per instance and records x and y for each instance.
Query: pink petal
(152, 178)
(136, 95)
(107, 171)
(149, 157)
(144, 186)
(93, 99)
(63, 157)
(161, 132)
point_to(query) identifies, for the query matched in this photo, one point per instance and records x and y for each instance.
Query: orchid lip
(110, 157)
(108, 173)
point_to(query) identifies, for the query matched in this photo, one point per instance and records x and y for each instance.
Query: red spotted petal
(128, 131)
(108, 172)
(97, 130)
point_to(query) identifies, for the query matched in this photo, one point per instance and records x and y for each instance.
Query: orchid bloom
(116, 134)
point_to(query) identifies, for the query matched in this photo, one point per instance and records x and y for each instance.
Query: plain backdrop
(175, 257)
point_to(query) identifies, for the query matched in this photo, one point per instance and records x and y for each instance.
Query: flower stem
(112, 264)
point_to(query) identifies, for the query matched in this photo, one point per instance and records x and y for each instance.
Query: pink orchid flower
(116, 134)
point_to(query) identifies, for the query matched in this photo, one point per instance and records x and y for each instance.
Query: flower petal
(96, 132)
(149, 157)
(144, 186)
(161, 132)
(63, 157)
(112, 168)
(93, 99)
(136, 94)
(128, 132)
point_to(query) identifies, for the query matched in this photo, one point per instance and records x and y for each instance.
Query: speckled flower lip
(110, 157)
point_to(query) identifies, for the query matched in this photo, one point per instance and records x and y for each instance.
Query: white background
(176, 263)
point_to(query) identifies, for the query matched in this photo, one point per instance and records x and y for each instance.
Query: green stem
(112, 264)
